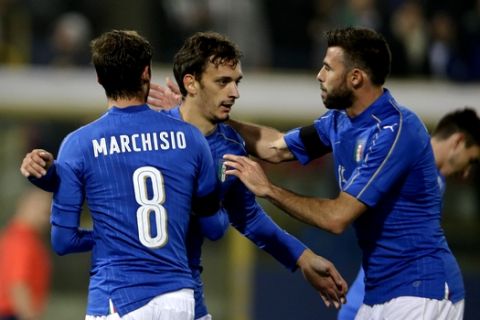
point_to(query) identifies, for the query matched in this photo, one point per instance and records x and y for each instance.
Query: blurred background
(48, 88)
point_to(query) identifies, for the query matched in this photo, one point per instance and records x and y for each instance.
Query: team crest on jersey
(359, 150)
(221, 170)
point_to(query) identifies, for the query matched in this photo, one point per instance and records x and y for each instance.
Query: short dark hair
(465, 121)
(199, 50)
(365, 49)
(120, 57)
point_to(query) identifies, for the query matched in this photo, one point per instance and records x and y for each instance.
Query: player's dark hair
(201, 49)
(365, 49)
(465, 121)
(120, 57)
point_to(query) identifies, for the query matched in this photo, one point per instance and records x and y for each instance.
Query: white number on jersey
(148, 206)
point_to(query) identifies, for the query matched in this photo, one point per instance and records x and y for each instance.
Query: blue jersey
(456, 290)
(240, 209)
(383, 157)
(356, 292)
(138, 170)
(244, 213)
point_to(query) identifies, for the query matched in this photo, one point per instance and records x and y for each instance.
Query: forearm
(268, 236)
(70, 240)
(49, 182)
(263, 142)
(321, 213)
(214, 227)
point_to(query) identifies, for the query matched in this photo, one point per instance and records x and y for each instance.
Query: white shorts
(205, 317)
(176, 305)
(413, 308)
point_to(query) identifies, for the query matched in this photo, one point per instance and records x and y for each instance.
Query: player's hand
(36, 163)
(324, 277)
(249, 172)
(164, 98)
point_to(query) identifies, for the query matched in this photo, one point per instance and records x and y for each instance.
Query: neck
(125, 103)
(192, 114)
(364, 98)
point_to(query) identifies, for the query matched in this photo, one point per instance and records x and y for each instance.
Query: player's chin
(222, 118)
(224, 115)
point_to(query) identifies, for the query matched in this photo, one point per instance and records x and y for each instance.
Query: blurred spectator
(334, 14)
(322, 20)
(243, 22)
(362, 13)
(444, 56)
(70, 40)
(409, 33)
(471, 39)
(288, 23)
(185, 17)
(24, 258)
(14, 32)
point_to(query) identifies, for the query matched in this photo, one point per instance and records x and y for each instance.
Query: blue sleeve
(249, 218)
(69, 196)
(206, 200)
(69, 240)
(309, 143)
(207, 177)
(355, 295)
(48, 182)
(295, 145)
(214, 227)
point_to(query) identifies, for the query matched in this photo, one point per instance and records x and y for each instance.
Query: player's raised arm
(333, 215)
(263, 142)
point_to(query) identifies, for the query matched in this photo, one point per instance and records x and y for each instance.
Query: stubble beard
(340, 98)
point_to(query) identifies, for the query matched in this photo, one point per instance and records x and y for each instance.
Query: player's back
(138, 170)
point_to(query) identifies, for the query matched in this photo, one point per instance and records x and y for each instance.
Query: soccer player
(386, 172)
(142, 174)
(456, 147)
(208, 70)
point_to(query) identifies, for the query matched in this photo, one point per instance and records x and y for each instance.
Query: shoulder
(331, 118)
(170, 119)
(229, 136)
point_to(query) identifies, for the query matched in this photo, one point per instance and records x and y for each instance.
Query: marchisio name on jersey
(139, 142)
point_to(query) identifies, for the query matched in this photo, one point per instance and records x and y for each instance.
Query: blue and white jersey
(244, 213)
(383, 157)
(456, 290)
(356, 292)
(137, 169)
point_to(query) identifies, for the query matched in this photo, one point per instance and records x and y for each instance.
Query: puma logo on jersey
(390, 127)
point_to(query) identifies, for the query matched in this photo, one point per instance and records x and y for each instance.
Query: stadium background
(47, 89)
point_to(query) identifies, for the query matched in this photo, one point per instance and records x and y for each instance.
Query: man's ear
(357, 77)
(146, 74)
(457, 138)
(189, 83)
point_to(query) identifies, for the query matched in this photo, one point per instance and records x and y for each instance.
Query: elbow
(60, 249)
(336, 227)
(215, 235)
(337, 230)
(59, 246)
(278, 156)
